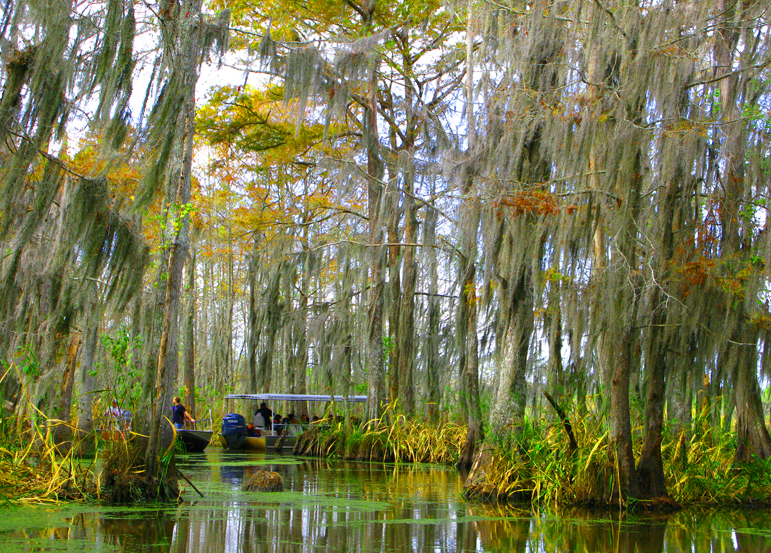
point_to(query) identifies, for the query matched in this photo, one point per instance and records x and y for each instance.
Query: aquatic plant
(34, 469)
(543, 469)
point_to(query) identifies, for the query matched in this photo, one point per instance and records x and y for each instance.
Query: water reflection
(333, 507)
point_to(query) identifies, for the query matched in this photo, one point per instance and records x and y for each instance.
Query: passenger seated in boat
(126, 419)
(113, 415)
(304, 418)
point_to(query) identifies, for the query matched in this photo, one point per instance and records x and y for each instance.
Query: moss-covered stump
(123, 477)
(314, 443)
(264, 481)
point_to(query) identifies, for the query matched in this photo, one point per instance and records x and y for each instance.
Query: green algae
(346, 506)
(17, 544)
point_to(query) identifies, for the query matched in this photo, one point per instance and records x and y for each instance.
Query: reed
(392, 438)
(33, 469)
(542, 469)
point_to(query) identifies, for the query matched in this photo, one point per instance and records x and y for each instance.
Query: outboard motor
(234, 430)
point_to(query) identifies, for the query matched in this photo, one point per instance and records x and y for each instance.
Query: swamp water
(336, 507)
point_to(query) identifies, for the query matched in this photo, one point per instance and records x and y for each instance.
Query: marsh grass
(699, 468)
(33, 469)
(541, 469)
(392, 438)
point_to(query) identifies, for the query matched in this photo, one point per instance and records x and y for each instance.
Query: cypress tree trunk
(466, 320)
(407, 336)
(272, 322)
(184, 45)
(431, 341)
(86, 384)
(254, 323)
(514, 343)
(62, 433)
(190, 328)
(376, 391)
(736, 237)
(466, 327)
(650, 468)
(301, 328)
(394, 293)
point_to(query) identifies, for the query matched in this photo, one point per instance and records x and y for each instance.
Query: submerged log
(264, 481)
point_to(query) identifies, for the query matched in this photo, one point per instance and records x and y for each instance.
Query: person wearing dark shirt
(179, 414)
(266, 413)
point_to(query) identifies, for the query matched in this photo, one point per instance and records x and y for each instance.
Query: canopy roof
(296, 397)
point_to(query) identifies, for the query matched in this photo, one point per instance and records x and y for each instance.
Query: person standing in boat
(179, 415)
(266, 414)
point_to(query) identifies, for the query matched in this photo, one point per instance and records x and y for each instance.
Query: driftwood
(189, 482)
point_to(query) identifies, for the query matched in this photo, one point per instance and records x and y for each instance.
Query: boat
(237, 434)
(196, 436)
(117, 428)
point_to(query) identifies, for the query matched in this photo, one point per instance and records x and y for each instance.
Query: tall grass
(34, 470)
(392, 438)
(699, 467)
(540, 468)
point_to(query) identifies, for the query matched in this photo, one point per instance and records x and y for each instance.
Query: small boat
(196, 436)
(236, 434)
(115, 428)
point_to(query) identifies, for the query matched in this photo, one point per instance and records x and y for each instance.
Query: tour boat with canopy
(260, 435)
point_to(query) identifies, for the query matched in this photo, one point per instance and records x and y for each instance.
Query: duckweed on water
(45, 543)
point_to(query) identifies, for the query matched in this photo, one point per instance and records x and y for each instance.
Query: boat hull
(114, 435)
(246, 443)
(289, 441)
(195, 441)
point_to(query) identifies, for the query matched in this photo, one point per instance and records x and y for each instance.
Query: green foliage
(124, 378)
(27, 361)
(543, 471)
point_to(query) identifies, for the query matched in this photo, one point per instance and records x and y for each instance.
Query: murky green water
(336, 507)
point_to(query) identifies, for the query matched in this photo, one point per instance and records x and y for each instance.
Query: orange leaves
(694, 274)
(529, 202)
(703, 274)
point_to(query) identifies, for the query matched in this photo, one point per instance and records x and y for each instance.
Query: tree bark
(190, 328)
(376, 391)
(407, 335)
(431, 340)
(466, 326)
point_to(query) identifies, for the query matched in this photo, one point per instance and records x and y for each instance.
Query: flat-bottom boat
(196, 436)
(236, 435)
